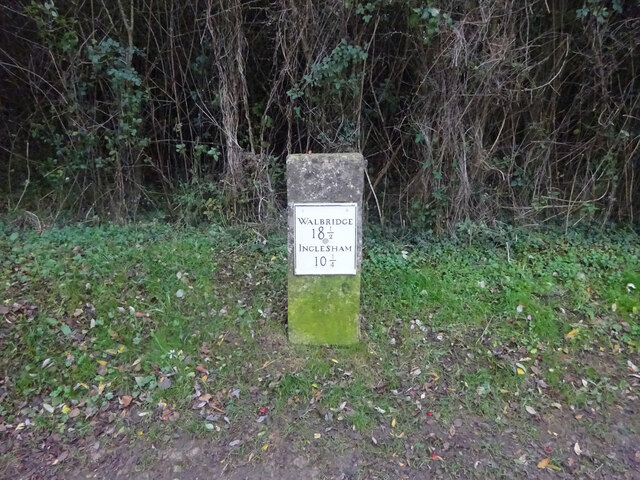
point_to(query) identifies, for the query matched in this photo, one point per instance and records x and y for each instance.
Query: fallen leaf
(234, 443)
(265, 446)
(125, 400)
(577, 449)
(544, 463)
(393, 423)
(47, 407)
(572, 333)
(61, 458)
(202, 369)
(317, 435)
(531, 410)
(164, 383)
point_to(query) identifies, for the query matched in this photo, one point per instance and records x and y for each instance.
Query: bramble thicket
(471, 111)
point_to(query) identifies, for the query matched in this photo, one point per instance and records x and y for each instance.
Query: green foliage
(601, 10)
(57, 31)
(448, 282)
(338, 73)
(112, 61)
(366, 10)
(94, 121)
(198, 201)
(459, 118)
(334, 83)
(161, 316)
(430, 19)
(89, 269)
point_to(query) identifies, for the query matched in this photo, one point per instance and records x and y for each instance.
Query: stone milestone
(324, 194)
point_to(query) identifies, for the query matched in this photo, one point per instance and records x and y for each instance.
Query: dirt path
(585, 445)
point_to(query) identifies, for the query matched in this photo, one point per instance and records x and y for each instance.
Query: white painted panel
(325, 238)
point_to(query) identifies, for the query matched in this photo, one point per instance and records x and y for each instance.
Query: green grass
(449, 328)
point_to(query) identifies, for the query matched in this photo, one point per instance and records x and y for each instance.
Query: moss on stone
(323, 310)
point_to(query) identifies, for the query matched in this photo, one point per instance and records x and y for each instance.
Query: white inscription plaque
(325, 238)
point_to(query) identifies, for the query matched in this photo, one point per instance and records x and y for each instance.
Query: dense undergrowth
(481, 110)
